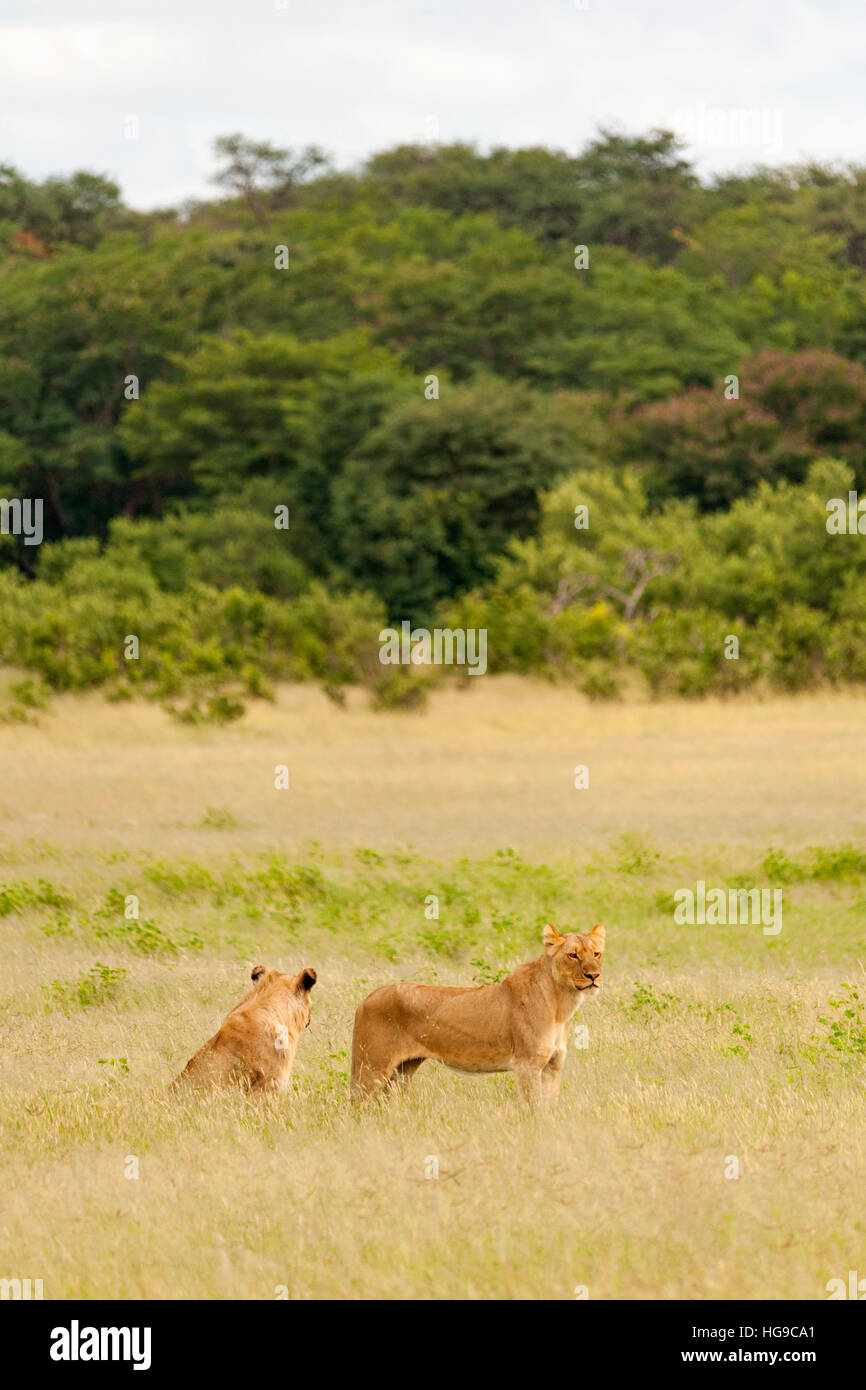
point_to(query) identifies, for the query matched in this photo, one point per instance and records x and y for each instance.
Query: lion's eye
(572, 955)
(597, 954)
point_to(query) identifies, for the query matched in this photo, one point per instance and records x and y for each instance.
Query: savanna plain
(710, 1140)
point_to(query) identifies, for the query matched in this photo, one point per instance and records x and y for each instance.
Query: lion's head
(575, 959)
(297, 987)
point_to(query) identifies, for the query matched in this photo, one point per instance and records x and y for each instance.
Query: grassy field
(713, 1049)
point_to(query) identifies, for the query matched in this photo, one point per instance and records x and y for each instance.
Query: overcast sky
(744, 81)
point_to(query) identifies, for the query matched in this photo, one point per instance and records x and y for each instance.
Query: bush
(398, 689)
(212, 647)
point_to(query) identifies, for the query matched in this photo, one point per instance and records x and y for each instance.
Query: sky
(139, 89)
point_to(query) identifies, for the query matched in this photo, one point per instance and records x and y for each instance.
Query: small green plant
(502, 922)
(16, 714)
(336, 1078)
(28, 696)
(119, 1064)
(32, 694)
(397, 690)
(844, 1029)
(143, 936)
(388, 949)
(645, 1002)
(256, 683)
(637, 854)
(190, 713)
(60, 925)
(444, 941)
(471, 915)
(183, 879)
(286, 882)
(601, 681)
(17, 897)
(741, 1033)
(147, 939)
(223, 709)
(218, 818)
(117, 694)
(780, 868)
(95, 986)
(369, 856)
(820, 863)
(485, 974)
(845, 862)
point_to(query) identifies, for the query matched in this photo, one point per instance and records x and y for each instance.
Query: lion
(517, 1025)
(255, 1047)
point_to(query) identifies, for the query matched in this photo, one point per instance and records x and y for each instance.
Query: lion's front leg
(551, 1077)
(529, 1083)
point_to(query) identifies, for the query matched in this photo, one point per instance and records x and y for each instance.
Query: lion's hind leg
(379, 1066)
(370, 1074)
(385, 1054)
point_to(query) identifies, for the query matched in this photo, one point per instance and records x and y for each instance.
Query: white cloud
(357, 77)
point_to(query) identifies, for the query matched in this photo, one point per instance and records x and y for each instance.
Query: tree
(80, 209)
(629, 191)
(792, 408)
(433, 494)
(265, 408)
(533, 189)
(254, 168)
(818, 397)
(700, 445)
(73, 329)
(635, 191)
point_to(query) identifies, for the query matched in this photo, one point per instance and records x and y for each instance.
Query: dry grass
(706, 1045)
(488, 766)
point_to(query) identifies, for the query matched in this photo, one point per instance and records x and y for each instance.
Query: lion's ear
(306, 980)
(551, 938)
(257, 972)
(597, 935)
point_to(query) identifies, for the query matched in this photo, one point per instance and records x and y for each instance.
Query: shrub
(92, 987)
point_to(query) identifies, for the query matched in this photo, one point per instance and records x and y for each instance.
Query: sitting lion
(255, 1047)
(516, 1025)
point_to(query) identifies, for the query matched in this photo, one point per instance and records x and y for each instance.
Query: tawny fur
(255, 1047)
(517, 1025)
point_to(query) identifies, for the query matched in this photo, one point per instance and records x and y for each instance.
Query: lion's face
(576, 959)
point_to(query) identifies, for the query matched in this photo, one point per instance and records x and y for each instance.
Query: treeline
(419, 366)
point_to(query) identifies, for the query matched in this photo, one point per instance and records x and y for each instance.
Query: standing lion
(517, 1025)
